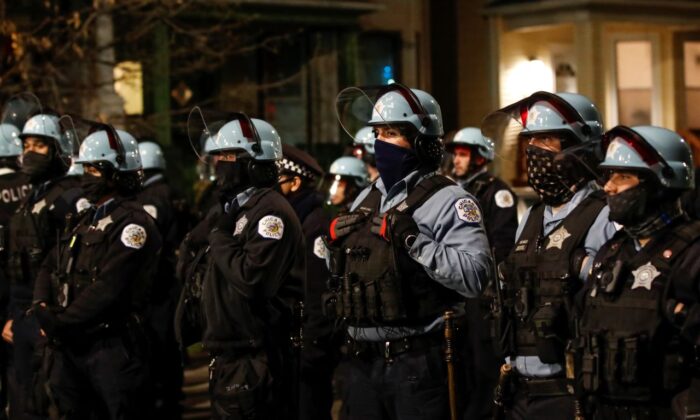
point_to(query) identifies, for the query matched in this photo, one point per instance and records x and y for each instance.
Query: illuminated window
(128, 83)
(634, 71)
(691, 53)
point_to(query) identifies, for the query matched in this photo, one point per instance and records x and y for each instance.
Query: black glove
(344, 224)
(48, 320)
(396, 228)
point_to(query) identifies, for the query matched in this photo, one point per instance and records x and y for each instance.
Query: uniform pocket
(240, 387)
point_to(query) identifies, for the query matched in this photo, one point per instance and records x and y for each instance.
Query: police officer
(14, 187)
(34, 227)
(254, 277)
(471, 153)
(363, 149)
(555, 243)
(89, 299)
(161, 202)
(349, 176)
(639, 317)
(402, 261)
(299, 174)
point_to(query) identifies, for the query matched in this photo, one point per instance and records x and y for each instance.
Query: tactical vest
(479, 186)
(541, 277)
(31, 236)
(81, 252)
(382, 284)
(629, 349)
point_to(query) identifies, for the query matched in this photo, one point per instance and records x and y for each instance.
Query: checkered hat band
(286, 165)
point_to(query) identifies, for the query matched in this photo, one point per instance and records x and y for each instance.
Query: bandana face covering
(232, 178)
(36, 165)
(628, 208)
(553, 188)
(94, 187)
(394, 163)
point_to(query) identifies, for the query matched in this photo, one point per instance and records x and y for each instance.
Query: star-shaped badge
(104, 222)
(644, 276)
(39, 206)
(557, 238)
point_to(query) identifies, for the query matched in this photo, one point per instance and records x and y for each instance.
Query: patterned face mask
(552, 187)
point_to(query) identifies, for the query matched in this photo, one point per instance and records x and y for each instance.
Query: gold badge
(557, 238)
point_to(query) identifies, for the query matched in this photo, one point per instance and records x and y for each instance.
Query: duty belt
(542, 387)
(392, 348)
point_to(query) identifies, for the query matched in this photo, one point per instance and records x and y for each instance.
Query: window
(691, 63)
(128, 83)
(634, 82)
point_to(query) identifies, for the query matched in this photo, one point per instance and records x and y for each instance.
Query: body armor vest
(82, 250)
(541, 276)
(629, 349)
(31, 236)
(381, 284)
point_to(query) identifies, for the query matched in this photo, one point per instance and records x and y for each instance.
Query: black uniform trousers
(411, 385)
(26, 399)
(241, 386)
(105, 378)
(529, 407)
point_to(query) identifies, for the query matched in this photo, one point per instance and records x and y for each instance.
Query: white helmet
(365, 137)
(471, 136)
(256, 137)
(47, 126)
(348, 166)
(151, 155)
(117, 148)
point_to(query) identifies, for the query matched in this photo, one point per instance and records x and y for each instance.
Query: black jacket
(255, 274)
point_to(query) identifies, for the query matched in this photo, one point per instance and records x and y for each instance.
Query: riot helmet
(152, 157)
(562, 133)
(348, 176)
(245, 149)
(663, 164)
(113, 153)
(473, 144)
(46, 149)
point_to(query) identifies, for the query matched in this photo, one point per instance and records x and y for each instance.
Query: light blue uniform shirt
(452, 246)
(600, 232)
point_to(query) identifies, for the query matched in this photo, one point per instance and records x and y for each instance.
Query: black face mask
(629, 208)
(232, 178)
(553, 188)
(94, 187)
(37, 166)
(394, 163)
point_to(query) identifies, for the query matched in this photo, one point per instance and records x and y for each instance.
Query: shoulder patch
(320, 249)
(152, 210)
(240, 224)
(468, 210)
(504, 199)
(82, 204)
(134, 236)
(271, 227)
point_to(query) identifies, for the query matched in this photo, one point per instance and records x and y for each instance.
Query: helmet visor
(202, 126)
(20, 108)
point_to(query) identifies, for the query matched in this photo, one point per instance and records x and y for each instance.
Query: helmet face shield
(202, 127)
(20, 108)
